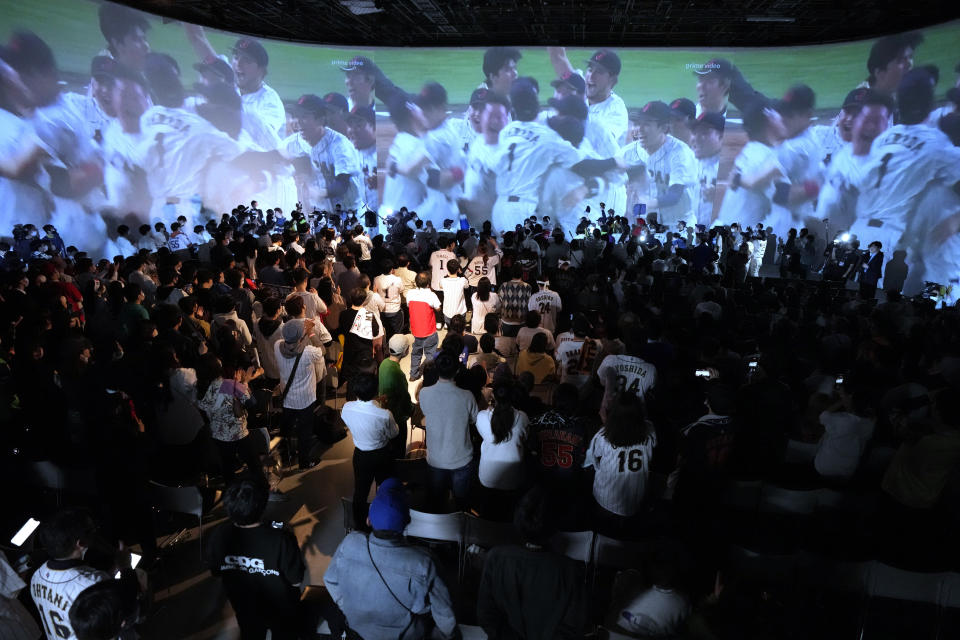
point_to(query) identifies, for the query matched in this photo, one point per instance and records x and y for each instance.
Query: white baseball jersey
(177, 151)
(464, 131)
(620, 481)
(54, 590)
(557, 184)
(479, 268)
(604, 143)
(749, 206)
(401, 190)
(124, 179)
(368, 169)
(904, 160)
(941, 258)
(611, 114)
(705, 189)
(24, 200)
(480, 179)
(801, 158)
(438, 266)
(526, 151)
(548, 304)
(828, 140)
(672, 164)
(264, 135)
(265, 102)
(837, 200)
(623, 374)
(445, 144)
(334, 155)
(390, 288)
(575, 359)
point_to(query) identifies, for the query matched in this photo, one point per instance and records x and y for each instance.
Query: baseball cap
(358, 63)
(915, 94)
(292, 331)
(221, 93)
(719, 66)
(606, 59)
(389, 510)
(163, 74)
(310, 103)
(479, 96)
(252, 48)
(524, 99)
(856, 98)
(573, 79)
(217, 68)
(367, 114)
(398, 345)
(712, 120)
(102, 67)
(431, 95)
(26, 51)
(570, 106)
(655, 110)
(683, 108)
(798, 98)
(570, 128)
(337, 100)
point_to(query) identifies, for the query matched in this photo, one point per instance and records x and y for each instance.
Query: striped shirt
(310, 371)
(54, 587)
(620, 482)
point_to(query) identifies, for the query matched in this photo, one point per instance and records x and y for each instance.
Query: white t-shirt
(526, 151)
(620, 481)
(454, 301)
(54, 591)
(844, 440)
(481, 309)
(749, 206)
(501, 464)
(575, 365)
(705, 190)
(23, 200)
(611, 114)
(334, 155)
(265, 102)
(656, 612)
(390, 288)
(548, 304)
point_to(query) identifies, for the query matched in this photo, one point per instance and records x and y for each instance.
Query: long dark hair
(626, 424)
(483, 289)
(501, 422)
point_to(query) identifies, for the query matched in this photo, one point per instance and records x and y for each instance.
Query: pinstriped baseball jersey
(620, 481)
(54, 588)
(673, 163)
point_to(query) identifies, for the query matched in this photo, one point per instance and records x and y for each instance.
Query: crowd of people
(618, 382)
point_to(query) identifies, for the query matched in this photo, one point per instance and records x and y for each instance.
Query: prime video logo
(701, 68)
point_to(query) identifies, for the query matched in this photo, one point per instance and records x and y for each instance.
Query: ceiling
(713, 23)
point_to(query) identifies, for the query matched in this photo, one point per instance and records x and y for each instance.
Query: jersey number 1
(512, 148)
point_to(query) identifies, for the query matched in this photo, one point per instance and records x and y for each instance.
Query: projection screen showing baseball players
(110, 116)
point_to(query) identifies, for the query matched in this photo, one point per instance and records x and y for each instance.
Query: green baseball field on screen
(71, 28)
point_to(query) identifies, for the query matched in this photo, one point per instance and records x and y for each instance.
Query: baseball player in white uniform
(444, 136)
(480, 180)
(749, 197)
(837, 201)
(124, 179)
(671, 167)
(362, 132)
(908, 162)
(707, 144)
(333, 159)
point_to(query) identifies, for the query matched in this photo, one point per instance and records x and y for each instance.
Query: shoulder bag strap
(293, 372)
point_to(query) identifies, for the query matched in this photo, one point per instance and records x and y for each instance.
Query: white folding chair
(778, 500)
(438, 527)
(186, 500)
(576, 545)
(884, 581)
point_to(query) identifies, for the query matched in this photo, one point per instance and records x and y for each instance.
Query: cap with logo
(336, 100)
(719, 66)
(712, 120)
(655, 110)
(606, 59)
(310, 103)
(479, 96)
(27, 52)
(217, 68)
(358, 63)
(252, 48)
(798, 98)
(572, 79)
(683, 108)
(366, 114)
(103, 67)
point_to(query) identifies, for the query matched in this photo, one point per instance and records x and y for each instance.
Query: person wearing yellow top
(535, 360)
